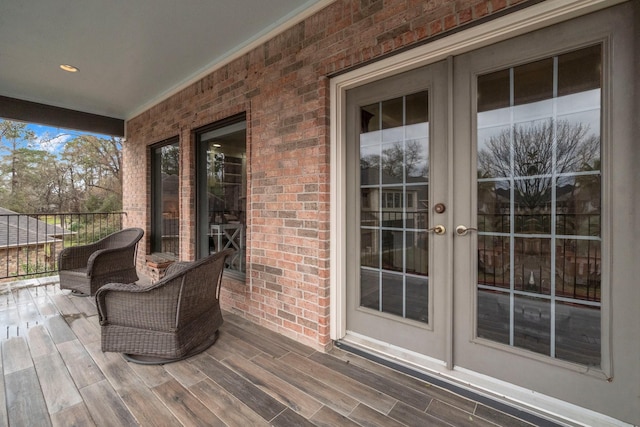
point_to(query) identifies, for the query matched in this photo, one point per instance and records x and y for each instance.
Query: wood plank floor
(55, 374)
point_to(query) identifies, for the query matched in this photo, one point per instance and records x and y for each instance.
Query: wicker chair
(84, 269)
(171, 320)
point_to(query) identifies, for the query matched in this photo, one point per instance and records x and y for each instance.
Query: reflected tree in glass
(532, 152)
(397, 161)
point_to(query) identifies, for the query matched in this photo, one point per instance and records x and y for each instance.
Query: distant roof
(22, 230)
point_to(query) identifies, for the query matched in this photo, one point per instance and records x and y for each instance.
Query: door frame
(511, 25)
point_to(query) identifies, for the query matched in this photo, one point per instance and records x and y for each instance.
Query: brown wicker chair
(171, 320)
(84, 269)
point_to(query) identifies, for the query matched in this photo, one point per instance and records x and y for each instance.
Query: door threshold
(449, 386)
(502, 397)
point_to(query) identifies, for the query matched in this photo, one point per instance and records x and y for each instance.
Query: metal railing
(30, 243)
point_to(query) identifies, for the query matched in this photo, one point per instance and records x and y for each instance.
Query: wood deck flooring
(55, 374)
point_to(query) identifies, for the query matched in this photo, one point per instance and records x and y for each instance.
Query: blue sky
(52, 139)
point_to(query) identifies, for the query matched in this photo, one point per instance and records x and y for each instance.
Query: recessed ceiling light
(69, 68)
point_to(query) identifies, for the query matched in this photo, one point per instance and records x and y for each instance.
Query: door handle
(438, 229)
(462, 230)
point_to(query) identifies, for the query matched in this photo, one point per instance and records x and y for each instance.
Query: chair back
(123, 238)
(200, 287)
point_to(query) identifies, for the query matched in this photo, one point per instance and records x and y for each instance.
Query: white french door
(482, 194)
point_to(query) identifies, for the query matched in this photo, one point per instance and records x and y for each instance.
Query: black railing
(30, 243)
(577, 264)
(583, 224)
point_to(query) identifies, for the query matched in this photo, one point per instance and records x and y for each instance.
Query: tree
(397, 160)
(85, 176)
(533, 153)
(94, 170)
(17, 134)
(170, 159)
(36, 179)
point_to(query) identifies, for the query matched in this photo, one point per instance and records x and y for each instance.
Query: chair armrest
(153, 307)
(75, 256)
(105, 261)
(101, 295)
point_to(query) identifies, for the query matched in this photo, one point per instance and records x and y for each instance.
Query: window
(165, 214)
(222, 194)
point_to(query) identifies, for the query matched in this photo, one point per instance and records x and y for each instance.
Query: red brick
(283, 88)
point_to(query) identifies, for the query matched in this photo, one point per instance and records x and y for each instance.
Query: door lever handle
(462, 230)
(438, 229)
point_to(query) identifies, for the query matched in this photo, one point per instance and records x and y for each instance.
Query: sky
(52, 139)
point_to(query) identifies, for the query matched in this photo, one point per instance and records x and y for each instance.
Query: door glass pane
(417, 298)
(393, 293)
(392, 250)
(493, 260)
(394, 175)
(538, 206)
(578, 266)
(578, 333)
(370, 288)
(533, 82)
(532, 265)
(493, 315)
(416, 250)
(493, 91)
(532, 323)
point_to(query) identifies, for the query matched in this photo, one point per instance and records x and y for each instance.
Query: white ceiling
(130, 53)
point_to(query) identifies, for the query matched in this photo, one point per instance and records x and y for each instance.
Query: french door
(479, 224)
(398, 130)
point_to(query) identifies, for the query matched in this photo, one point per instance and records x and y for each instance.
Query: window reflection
(533, 82)
(538, 203)
(394, 174)
(539, 148)
(578, 266)
(532, 324)
(578, 333)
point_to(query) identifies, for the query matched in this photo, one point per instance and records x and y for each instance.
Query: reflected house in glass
(578, 267)
(392, 207)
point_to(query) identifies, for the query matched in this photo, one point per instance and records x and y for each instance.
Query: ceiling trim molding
(233, 55)
(34, 112)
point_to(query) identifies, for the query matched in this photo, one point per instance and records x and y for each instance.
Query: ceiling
(130, 54)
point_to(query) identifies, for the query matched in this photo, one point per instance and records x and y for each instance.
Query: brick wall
(284, 90)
